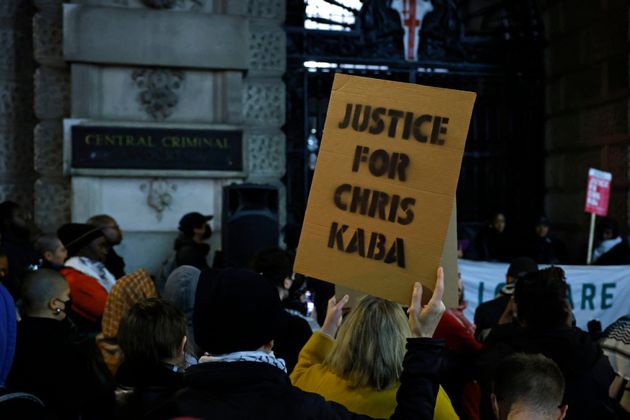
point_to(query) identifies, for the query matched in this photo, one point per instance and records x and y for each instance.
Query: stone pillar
(16, 104)
(264, 96)
(587, 111)
(52, 100)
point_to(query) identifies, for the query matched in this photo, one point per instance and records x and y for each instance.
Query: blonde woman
(360, 369)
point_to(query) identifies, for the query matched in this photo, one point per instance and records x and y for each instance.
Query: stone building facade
(157, 63)
(211, 63)
(17, 173)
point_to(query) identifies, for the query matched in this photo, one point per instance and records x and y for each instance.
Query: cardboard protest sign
(449, 262)
(598, 192)
(384, 186)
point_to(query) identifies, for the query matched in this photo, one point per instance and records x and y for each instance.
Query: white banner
(597, 292)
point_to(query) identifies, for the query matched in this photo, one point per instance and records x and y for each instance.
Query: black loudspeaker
(250, 222)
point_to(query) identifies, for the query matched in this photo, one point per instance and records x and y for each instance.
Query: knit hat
(235, 310)
(75, 236)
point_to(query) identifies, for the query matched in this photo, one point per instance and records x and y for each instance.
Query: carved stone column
(16, 104)
(264, 96)
(52, 104)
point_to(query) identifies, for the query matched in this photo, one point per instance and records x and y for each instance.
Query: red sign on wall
(598, 192)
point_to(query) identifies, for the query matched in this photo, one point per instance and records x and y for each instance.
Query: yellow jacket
(311, 375)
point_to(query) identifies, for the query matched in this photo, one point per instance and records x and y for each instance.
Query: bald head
(100, 220)
(109, 226)
(50, 248)
(41, 289)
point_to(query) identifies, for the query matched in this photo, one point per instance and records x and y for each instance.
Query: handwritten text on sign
(384, 185)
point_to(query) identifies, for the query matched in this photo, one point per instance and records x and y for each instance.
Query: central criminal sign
(149, 148)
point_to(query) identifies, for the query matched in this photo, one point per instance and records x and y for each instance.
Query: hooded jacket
(180, 289)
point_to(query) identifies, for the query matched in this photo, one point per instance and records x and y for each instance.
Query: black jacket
(586, 370)
(290, 340)
(251, 390)
(617, 255)
(487, 315)
(115, 264)
(490, 245)
(189, 252)
(142, 388)
(48, 365)
(546, 250)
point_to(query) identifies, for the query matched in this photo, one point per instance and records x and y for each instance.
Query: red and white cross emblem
(412, 13)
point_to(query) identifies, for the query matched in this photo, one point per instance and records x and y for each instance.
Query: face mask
(69, 314)
(67, 309)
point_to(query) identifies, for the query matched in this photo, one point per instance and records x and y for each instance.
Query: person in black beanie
(90, 281)
(543, 247)
(114, 262)
(238, 314)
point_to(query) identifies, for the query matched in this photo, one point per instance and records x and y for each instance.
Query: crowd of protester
(81, 338)
(501, 241)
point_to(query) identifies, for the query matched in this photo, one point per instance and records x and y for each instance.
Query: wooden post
(589, 256)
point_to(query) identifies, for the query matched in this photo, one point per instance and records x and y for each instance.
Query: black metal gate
(495, 51)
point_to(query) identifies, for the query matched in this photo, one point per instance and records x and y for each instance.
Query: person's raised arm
(419, 379)
(424, 320)
(333, 316)
(320, 344)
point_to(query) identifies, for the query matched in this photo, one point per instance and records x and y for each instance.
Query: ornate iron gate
(494, 50)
